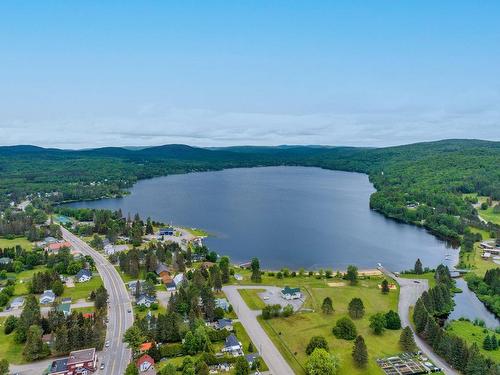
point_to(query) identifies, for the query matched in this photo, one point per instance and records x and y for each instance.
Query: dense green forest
(420, 183)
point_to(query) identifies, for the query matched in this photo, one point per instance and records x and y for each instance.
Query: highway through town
(270, 354)
(409, 291)
(117, 356)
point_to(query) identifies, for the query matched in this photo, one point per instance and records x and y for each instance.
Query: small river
(286, 216)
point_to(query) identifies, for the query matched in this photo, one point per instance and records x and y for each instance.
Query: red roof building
(145, 363)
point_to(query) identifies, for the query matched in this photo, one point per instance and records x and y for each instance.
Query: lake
(286, 216)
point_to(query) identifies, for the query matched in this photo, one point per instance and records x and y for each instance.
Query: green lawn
(471, 333)
(476, 262)
(83, 310)
(252, 299)
(291, 335)
(21, 241)
(274, 281)
(10, 350)
(429, 276)
(484, 233)
(488, 214)
(82, 290)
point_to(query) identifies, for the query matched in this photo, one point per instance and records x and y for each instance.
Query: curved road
(117, 356)
(409, 291)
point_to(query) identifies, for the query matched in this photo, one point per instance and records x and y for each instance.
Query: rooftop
(81, 355)
(288, 290)
(59, 365)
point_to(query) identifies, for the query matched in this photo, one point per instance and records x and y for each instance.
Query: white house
(47, 297)
(178, 279)
(291, 293)
(238, 277)
(112, 249)
(145, 300)
(17, 303)
(232, 345)
(145, 363)
(222, 303)
(83, 276)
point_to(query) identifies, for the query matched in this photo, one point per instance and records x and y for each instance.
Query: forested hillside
(420, 183)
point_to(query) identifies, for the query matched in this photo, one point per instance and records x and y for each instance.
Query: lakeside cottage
(291, 293)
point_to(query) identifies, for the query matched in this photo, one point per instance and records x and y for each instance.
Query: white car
(107, 344)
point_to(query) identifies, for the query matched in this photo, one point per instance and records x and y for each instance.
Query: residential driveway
(271, 355)
(409, 291)
(272, 296)
(163, 297)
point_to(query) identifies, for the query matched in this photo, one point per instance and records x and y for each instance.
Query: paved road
(271, 355)
(117, 356)
(409, 291)
(46, 309)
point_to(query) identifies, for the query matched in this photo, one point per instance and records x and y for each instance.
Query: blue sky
(211, 73)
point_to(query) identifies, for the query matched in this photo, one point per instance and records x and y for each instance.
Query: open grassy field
(291, 335)
(484, 233)
(82, 290)
(10, 350)
(299, 281)
(474, 334)
(21, 241)
(488, 214)
(476, 262)
(252, 299)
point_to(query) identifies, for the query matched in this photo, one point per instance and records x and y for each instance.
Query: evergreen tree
(131, 369)
(327, 306)
(494, 342)
(35, 348)
(392, 320)
(487, 343)
(316, 342)
(4, 367)
(352, 274)
(224, 268)
(61, 344)
(420, 316)
(476, 364)
(345, 329)
(256, 275)
(407, 341)
(149, 227)
(356, 308)
(30, 316)
(418, 267)
(360, 352)
(385, 286)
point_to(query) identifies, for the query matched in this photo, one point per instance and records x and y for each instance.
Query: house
(232, 345)
(222, 303)
(178, 279)
(486, 245)
(113, 249)
(144, 363)
(17, 303)
(145, 347)
(47, 297)
(238, 277)
(48, 240)
(83, 276)
(161, 267)
(170, 286)
(252, 358)
(166, 277)
(226, 324)
(66, 300)
(65, 308)
(5, 261)
(145, 300)
(169, 231)
(291, 293)
(88, 315)
(82, 362)
(55, 247)
(58, 367)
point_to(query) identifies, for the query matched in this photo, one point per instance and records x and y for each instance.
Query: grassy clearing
(476, 262)
(291, 335)
(83, 310)
(21, 241)
(252, 299)
(488, 214)
(429, 276)
(484, 233)
(197, 232)
(10, 350)
(474, 334)
(299, 281)
(82, 290)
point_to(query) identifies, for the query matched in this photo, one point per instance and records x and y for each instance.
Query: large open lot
(21, 241)
(291, 335)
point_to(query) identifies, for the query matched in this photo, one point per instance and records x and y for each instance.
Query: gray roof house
(222, 303)
(83, 275)
(232, 344)
(145, 300)
(162, 267)
(5, 260)
(224, 324)
(47, 297)
(17, 303)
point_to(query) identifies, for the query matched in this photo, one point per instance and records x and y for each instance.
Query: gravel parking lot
(272, 296)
